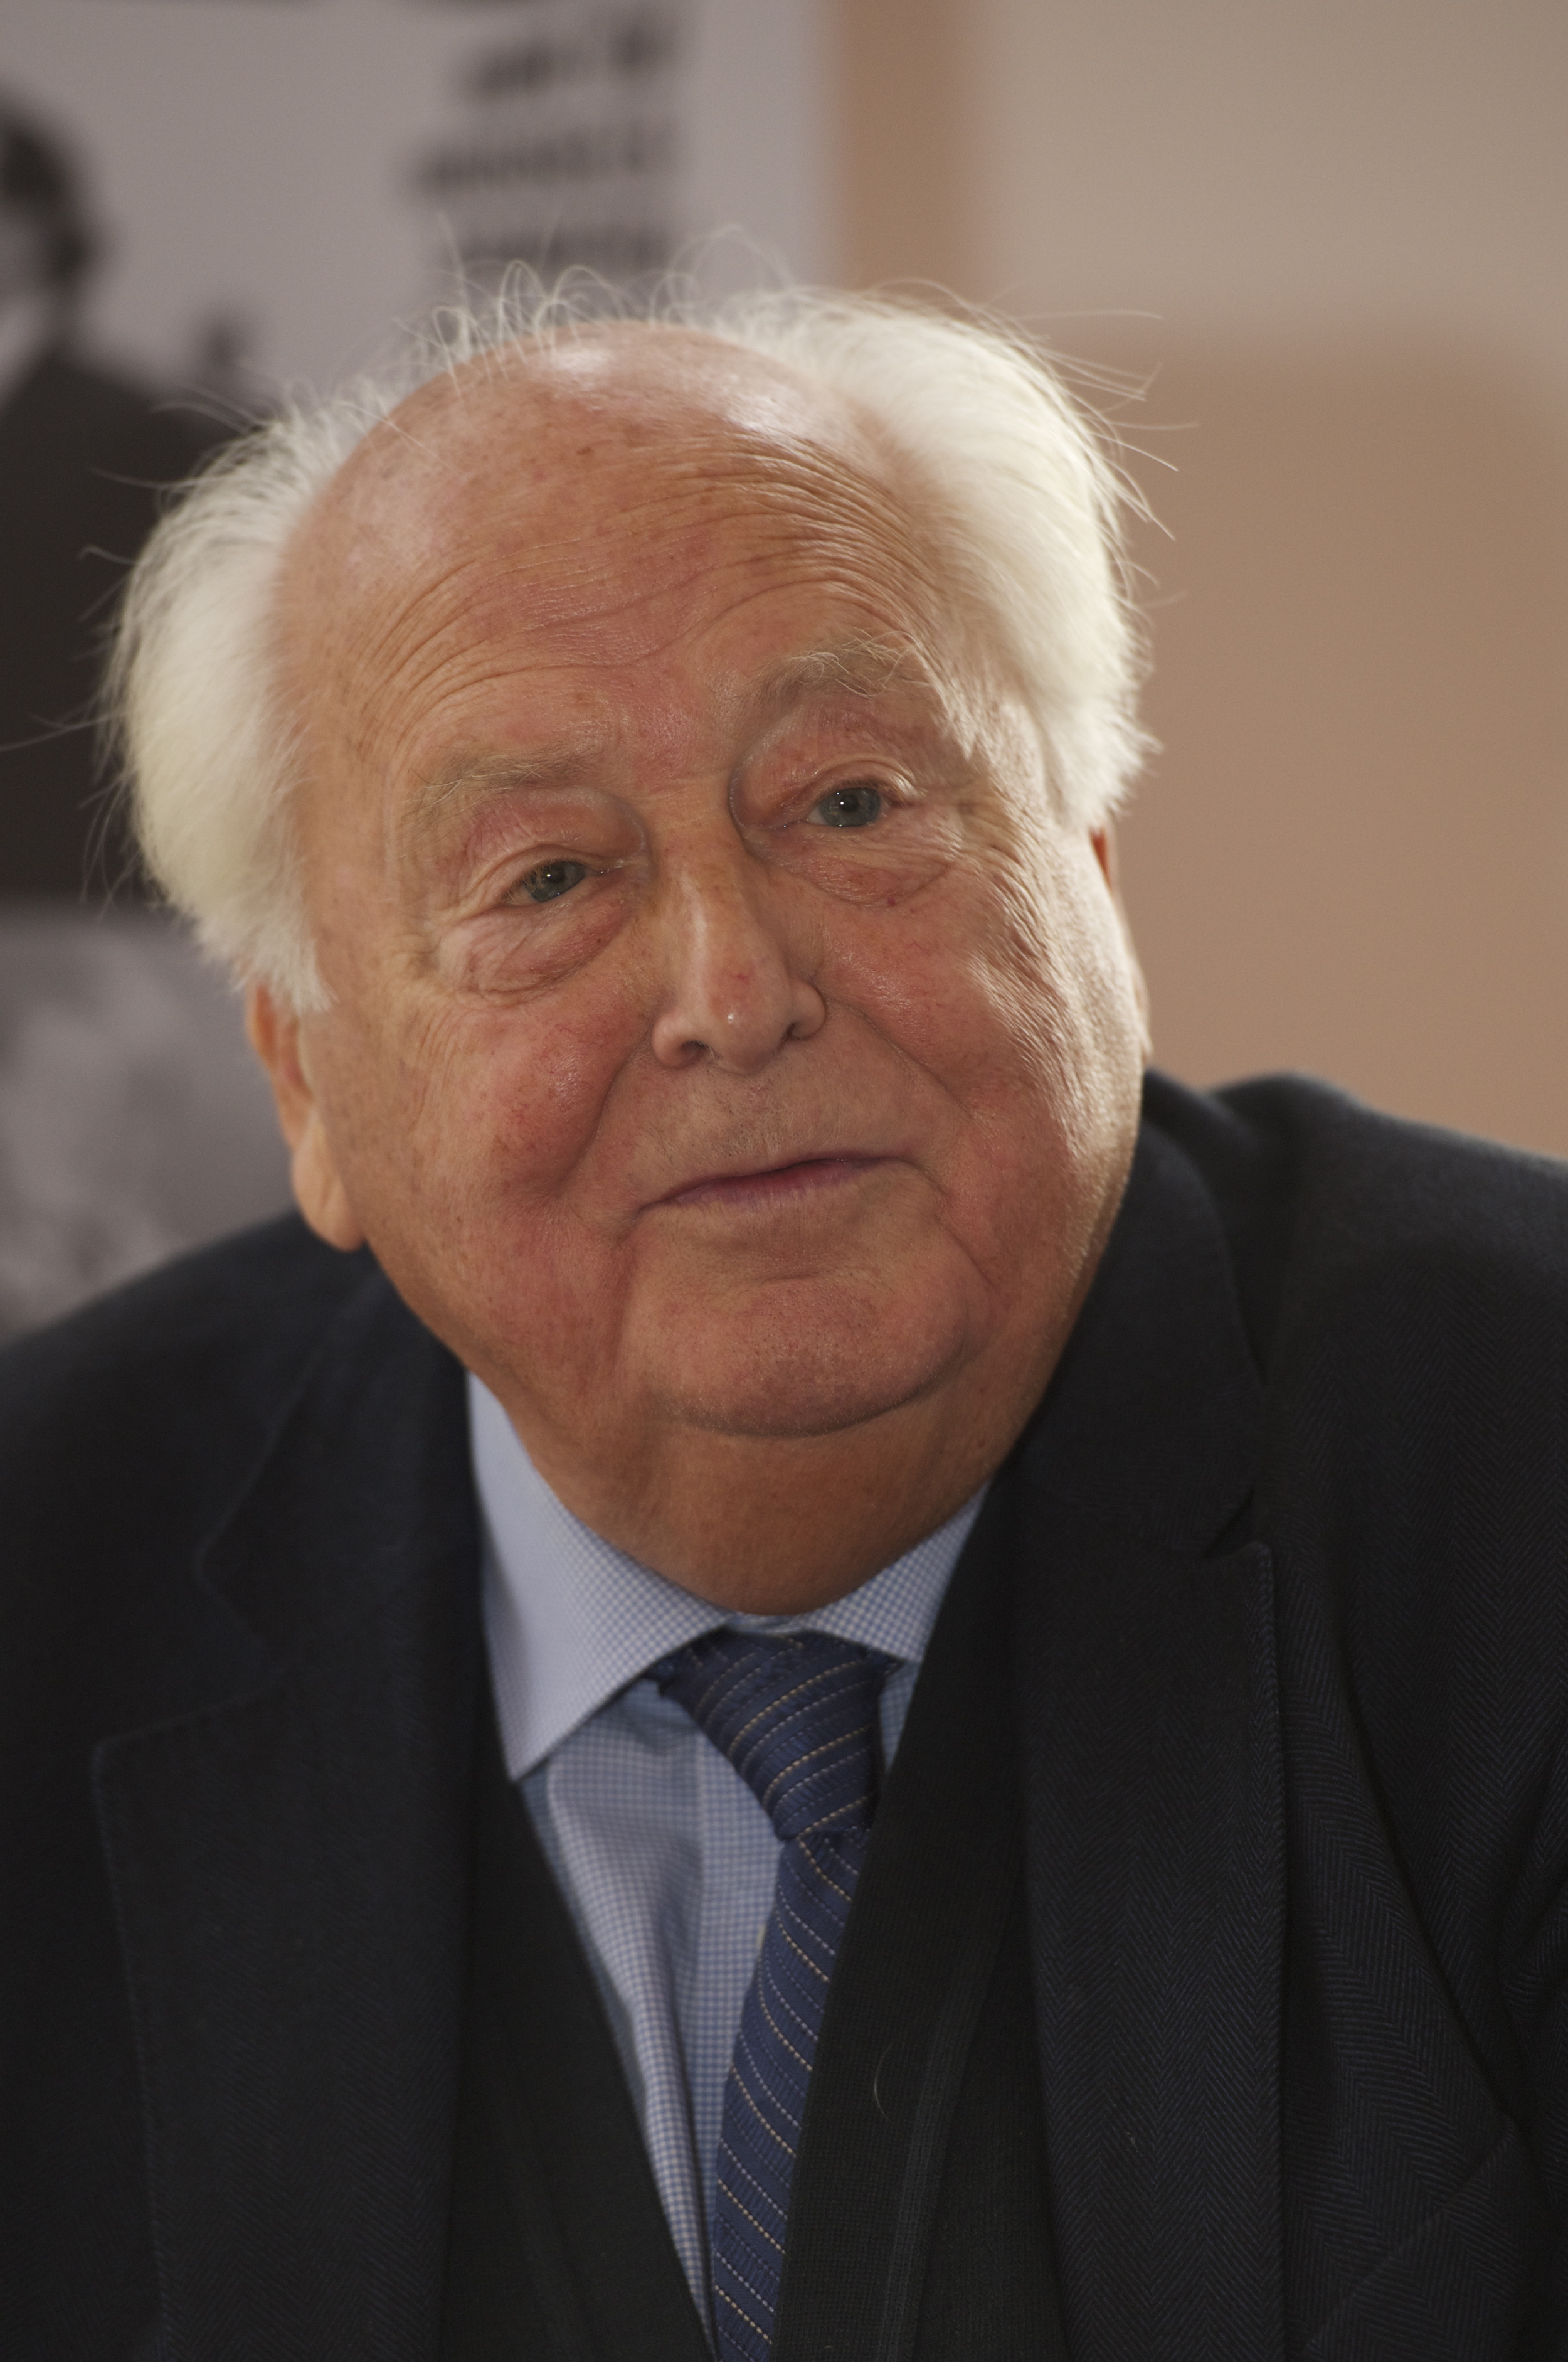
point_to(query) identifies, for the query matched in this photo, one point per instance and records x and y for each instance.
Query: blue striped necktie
(796, 1717)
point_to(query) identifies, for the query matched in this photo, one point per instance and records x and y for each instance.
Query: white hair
(1017, 484)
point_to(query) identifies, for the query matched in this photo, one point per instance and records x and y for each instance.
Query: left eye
(552, 879)
(854, 806)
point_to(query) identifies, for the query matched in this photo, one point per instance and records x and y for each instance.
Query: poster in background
(266, 186)
(281, 178)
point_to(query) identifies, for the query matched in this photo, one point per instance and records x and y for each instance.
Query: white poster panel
(279, 179)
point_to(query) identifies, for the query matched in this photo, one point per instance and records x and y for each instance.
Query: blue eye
(552, 879)
(854, 806)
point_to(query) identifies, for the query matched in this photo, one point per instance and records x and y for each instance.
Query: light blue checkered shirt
(666, 1858)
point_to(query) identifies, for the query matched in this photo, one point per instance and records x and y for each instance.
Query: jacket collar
(1153, 1419)
(289, 1866)
(1153, 1835)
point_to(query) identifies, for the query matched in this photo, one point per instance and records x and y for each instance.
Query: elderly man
(812, 1677)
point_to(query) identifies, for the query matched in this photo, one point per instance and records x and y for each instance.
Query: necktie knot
(796, 1715)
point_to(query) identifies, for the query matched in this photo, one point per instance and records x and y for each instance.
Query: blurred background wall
(1310, 262)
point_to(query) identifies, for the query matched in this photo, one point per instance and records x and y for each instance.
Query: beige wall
(1337, 235)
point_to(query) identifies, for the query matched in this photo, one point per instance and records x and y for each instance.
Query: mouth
(774, 1185)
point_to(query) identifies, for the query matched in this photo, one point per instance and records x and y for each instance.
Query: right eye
(552, 879)
(855, 805)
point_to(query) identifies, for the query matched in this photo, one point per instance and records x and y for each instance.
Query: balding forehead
(624, 433)
(583, 507)
(545, 411)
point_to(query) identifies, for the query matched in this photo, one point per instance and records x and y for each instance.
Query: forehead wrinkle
(860, 666)
(694, 482)
(410, 649)
(864, 665)
(804, 516)
(473, 780)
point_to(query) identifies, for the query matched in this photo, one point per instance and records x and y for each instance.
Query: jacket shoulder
(1345, 1223)
(1413, 1492)
(139, 1414)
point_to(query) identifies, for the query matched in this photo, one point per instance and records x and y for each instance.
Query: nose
(734, 989)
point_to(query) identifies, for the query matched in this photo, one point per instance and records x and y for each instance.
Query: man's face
(729, 1035)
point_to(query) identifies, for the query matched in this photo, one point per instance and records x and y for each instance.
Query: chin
(796, 1369)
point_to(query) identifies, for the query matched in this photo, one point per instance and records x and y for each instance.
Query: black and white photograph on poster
(202, 207)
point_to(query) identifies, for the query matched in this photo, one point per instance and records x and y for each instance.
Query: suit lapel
(559, 2241)
(1152, 1771)
(288, 1871)
(910, 1986)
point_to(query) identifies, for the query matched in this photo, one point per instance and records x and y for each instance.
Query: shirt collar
(570, 1620)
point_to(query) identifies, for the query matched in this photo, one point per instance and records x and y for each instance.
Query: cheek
(1009, 989)
(972, 983)
(1058, 971)
(466, 1112)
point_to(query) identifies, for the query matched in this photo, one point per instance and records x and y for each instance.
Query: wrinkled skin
(758, 1162)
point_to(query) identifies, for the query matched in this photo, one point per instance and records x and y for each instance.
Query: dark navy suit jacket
(1287, 1544)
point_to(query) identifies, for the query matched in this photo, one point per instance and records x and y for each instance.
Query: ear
(1103, 840)
(319, 1193)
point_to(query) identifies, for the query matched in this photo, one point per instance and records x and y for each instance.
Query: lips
(773, 1185)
